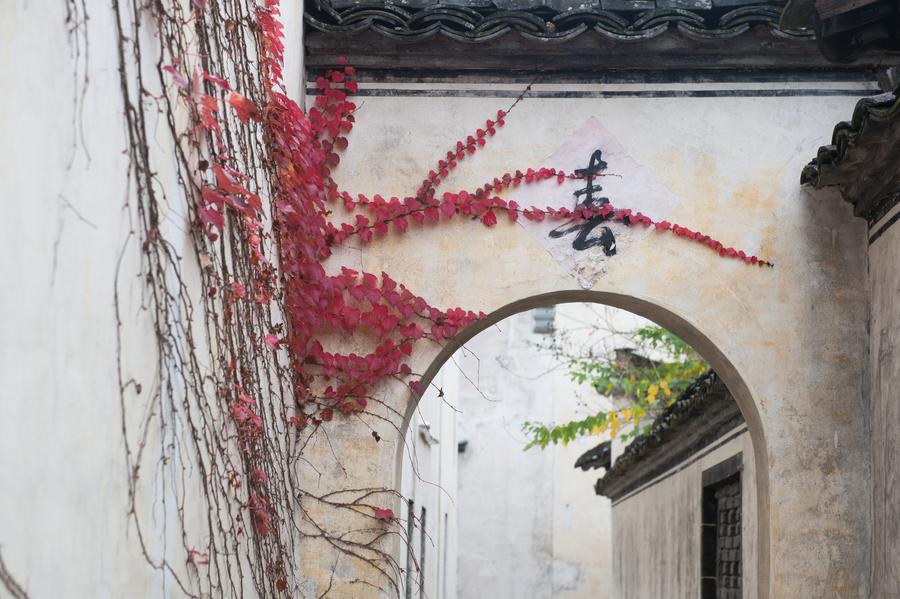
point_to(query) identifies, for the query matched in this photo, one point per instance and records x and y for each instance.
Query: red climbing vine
(257, 174)
(305, 150)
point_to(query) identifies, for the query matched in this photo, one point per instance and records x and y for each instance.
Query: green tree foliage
(643, 380)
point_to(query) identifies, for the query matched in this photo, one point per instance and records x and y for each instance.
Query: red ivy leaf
(258, 477)
(262, 520)
(244, 108)
(386, 514)
(217, 80)
(208, 107)
(212, 217)
(212, 198)
(272, 341)
(513, 212)
(489, 218)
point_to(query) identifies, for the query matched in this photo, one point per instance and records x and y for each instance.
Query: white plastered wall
(65, 531)
(788, 341)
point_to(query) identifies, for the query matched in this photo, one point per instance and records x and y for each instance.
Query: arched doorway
(677, 325)
(789, 342)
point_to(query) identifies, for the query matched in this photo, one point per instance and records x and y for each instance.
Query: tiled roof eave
(861, 159)
(477, 22)
(700, 415)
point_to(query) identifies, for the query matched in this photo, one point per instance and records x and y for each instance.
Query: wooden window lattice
(728, 541)
(721, 568)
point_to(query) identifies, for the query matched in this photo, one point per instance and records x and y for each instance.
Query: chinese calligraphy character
(584, 228)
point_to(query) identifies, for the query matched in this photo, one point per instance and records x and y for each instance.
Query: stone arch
(679, 325)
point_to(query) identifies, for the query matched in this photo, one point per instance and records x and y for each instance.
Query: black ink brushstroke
(584, 228)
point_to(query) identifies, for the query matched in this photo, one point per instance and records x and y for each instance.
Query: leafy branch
(641, 380)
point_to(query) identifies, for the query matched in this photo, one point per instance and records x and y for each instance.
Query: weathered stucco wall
(657, 529)
(884, 370)
(789, 342)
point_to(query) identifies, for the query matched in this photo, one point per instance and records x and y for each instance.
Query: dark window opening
(721, 568)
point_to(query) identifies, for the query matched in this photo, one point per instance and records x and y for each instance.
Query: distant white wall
(506, 496)
(429, 481)
(656, 530)
(529, 523)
